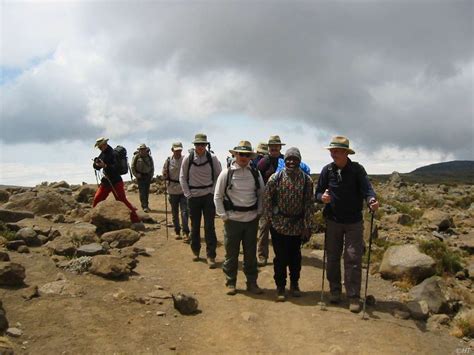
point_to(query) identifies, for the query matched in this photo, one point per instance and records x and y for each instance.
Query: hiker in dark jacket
(111, 180)
(143, 169)
(288, 212)
(343, 186)
(178, 201)
(267, 166)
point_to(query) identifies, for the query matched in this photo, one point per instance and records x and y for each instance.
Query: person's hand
(306, 235)
(326, 197)
(374, 205)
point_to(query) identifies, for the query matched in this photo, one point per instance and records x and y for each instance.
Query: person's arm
(134, 163)
(268, 201)
(367, 190)
(260, 192)
(152, 172)
(183, 177)
(217, 165)
(309, 204)
(164, 170)
(219, 194)
(323, 184)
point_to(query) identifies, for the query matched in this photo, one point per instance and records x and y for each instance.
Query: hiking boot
(354, 305)
(281, 297)
(335, 297)
(178, 236)
(195, 256)
(261, 261)
(186, 238)
(211, 262)
(146, 210)
(253, 288)
(231, 290)
(295, 291)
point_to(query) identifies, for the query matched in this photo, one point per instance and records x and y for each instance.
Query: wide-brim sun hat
(142, 146)
(340, 142)
(262, 148)
(244, 147)
(275, 140)
(200, 138)
(177, 146)
(100, 141)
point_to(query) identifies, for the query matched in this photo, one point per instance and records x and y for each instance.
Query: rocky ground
(80, 280)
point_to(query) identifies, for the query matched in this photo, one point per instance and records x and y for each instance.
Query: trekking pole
(368, 262)
(112, 186)
(166, 208)
(322, 304)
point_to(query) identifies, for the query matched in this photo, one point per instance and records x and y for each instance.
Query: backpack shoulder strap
(190, 161)
(209, 159)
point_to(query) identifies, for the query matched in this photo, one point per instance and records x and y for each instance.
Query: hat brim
(199, 142)
(177, 148)
(349, 150)
(100, 143)
(252, 154)
(276, 143)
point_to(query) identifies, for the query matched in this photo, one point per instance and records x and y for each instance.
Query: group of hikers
(260, 194)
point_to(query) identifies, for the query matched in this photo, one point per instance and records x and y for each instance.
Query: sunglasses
(244, 155)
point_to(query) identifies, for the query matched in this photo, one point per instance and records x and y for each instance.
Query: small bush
(447, 261)
(319, 222)
(413, 212)
(6, 233)
(464, 202)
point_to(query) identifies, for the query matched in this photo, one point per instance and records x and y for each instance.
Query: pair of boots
(252, 287)
(294, 292)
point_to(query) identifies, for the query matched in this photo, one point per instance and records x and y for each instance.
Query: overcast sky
(396, 77)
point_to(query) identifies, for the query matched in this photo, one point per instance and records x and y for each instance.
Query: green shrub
(447, 260)
(405, 208)
(464, 202)
(6, 233)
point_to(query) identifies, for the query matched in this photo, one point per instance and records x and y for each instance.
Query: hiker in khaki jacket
(143, 169)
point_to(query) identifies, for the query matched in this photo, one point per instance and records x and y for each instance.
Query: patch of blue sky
(11, 73)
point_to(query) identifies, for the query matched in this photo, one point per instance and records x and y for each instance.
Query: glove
(305, 235)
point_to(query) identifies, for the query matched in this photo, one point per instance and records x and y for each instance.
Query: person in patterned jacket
(288, 213)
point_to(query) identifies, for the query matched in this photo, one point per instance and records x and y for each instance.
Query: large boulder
(4, 196)
(433, 292)
(43, 201)
(11, 274)
(11, 216)
(83, 233)
(90, 249)
(109, 266)
(121, 238)
(110, 215)
(61, 245)
(62, 184)
(440, 219)
(406, 261)
(86, 193)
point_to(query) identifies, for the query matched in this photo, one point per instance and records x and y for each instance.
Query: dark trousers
(349, 237)
(203, 206)
(234, 234)
(179, 202)
(287, 251)
(144, 191)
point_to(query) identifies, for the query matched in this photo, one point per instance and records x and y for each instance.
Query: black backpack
(122, 160)
(191, 162)
(228, 204)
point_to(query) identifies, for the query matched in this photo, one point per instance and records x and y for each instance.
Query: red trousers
(119, 194)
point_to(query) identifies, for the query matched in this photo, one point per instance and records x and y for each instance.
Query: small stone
(30, 293)
(172, 347)
(160, 313)
(400, 314)
(60, 276)
(23, 249)
(159, 294)
(14, 332)
(249, 316)
(370, 300)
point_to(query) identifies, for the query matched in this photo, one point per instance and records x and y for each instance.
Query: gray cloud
(397, 73)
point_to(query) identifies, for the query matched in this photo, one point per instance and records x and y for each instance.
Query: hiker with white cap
(111, 180)
(288, 212)
(178, 201)
(238, 200)
(267, 166)
(343, 185)
(143, 169)
(199, 172)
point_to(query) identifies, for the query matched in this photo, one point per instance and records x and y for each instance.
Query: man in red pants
(111, 181)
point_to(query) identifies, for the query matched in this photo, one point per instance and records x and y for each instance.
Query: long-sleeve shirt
(348, 187)
(200, 175)
(287, 203)
(268, 165)
(242, 192)
(172, 166)
(111, 170)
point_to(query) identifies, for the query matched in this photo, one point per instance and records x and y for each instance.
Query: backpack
(122, 160)
(276, 210)
(208, 161)
(228, 204)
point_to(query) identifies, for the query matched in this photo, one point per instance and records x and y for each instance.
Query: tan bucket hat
(244, 147)
(142, 146)
(340, 142)
(100, 141)
(200, 138)
(177, 146)
(275, 140)
(262, 148)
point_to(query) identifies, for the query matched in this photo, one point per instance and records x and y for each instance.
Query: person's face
(102, 146)
(176, 153)
(200, 148)
(339, 156)
(242, 159)
(143, 151)
(274, 150)
(292, 163)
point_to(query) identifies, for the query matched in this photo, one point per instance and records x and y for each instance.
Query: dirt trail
(109, 317)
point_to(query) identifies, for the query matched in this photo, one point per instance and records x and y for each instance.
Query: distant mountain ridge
(450, 167)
